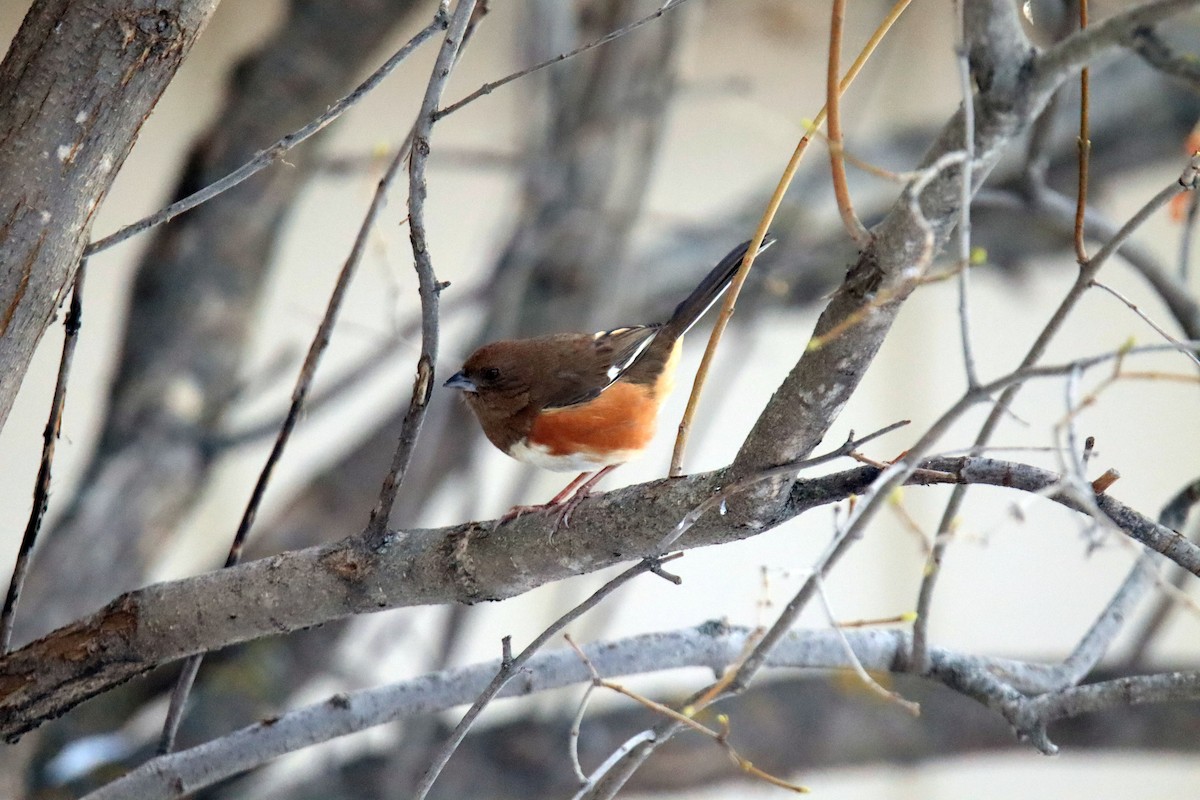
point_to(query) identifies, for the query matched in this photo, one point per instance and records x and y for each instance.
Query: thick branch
(464, 563)
(75, 87)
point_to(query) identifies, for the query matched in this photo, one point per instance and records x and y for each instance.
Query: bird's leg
(582, 488)
(568, 507)
(573, 485)
(517, 511)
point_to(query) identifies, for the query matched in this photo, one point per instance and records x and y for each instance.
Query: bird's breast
(612, 428)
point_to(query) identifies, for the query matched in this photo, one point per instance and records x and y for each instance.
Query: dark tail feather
(712, 287)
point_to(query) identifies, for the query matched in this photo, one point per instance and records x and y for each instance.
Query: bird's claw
(562, 511)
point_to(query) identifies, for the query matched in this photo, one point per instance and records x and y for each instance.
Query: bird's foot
(560, 509)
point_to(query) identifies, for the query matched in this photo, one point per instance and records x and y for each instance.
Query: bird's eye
(491, 374)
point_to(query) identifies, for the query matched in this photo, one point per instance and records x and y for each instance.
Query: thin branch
(783, 470)
(300, 392)
(837, 164)
(274, 152)
(966, 188)
(429, 286)
(1084, 144)
(720, 737)
(1186, 182)
(1186, 236)
(856, 665)
(1180, 346)
(321, 341)
(573, 735)
(488, 88)
(41, 488)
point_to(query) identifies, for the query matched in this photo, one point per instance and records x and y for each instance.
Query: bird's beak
(460, 381)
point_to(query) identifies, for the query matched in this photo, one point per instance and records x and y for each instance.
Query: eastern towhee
(584, 401)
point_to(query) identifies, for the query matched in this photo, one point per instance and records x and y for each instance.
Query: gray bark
(76, 85)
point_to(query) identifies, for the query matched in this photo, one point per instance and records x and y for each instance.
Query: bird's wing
(598, 362)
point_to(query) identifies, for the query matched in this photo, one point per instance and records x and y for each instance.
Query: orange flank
(621, 418)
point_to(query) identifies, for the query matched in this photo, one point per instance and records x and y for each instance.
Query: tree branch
(105, 64)
(463, 563)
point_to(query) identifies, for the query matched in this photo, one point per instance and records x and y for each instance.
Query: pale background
(1015, 589)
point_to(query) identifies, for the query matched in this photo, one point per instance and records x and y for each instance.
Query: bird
(584, 402)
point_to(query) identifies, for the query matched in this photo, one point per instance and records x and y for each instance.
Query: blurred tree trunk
(194, 298)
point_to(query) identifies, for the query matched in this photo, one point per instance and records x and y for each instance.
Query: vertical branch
(1186, 235)
(41, 489)
(834, 128)
(964, 209)
(1085, 147)
(429, 287)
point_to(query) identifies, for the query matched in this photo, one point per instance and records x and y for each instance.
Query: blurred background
(590, 195)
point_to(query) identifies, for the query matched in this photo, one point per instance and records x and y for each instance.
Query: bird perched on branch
(585, 402)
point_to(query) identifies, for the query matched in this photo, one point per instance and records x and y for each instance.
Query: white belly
(540, 457)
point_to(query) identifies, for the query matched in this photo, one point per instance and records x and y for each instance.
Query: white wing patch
(618, 367)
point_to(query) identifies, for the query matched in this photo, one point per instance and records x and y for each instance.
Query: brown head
(495, 382)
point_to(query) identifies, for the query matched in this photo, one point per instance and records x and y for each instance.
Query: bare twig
(573, 735)
(856, 664)
(1187, 235)
(685, 719)
(1180, 346)
(488, 88)
(837, 164)
(41, 489)
(966, 188)
(274, 152)
(720, 498)
(1085, 148)
(299, 393)
(429, 287)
